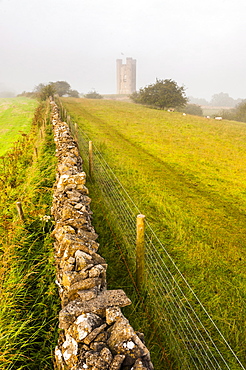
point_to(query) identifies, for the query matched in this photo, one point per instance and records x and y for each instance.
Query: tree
(222, 100)
(241, 111)
(46, 91)
(73, 93)
(163, 94)
(93, 95)
(61, 87)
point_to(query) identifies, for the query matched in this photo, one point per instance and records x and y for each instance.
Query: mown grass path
(188, 175)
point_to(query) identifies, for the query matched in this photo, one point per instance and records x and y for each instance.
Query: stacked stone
(94, 333)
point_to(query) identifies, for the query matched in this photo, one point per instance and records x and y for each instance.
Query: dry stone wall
(94, 334)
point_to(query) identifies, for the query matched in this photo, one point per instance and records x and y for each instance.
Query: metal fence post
(140, 246)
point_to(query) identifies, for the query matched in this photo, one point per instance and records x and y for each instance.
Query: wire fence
(191, 337)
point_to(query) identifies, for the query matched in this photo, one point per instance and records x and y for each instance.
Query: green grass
(15, 119)
(29, 302)
(187, 175)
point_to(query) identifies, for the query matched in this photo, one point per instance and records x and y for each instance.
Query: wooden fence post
(3, 164)
(91, 168)
(36, 151)
(76, 132)
(20, 211)
(140, 246)
(69, 122)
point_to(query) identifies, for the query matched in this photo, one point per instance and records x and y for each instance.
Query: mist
(200, 45)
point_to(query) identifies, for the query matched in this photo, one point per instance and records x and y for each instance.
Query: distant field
(188, 175)
(213, 111)
(15, 118)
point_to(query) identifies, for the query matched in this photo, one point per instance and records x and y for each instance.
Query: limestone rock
(66, 180)
(106, 355)
(108, 298)
(82, 260)
(96, 271)
(70, 350)
(83, 326)
(87, 295)
(94, 334)
(123, 340)
(95, 361)
(117, 362)
(70, 278)
(113, 314)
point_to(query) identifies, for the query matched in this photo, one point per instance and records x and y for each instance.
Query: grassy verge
(187, 175)
(29, 302)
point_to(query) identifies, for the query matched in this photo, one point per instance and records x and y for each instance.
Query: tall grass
(29, 301)
(187, 175)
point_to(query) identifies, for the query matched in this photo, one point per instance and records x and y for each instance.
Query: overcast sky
(200, 44)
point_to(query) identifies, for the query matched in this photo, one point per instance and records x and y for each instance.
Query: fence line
(196, 341)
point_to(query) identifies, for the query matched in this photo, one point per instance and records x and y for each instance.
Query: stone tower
(126, 76)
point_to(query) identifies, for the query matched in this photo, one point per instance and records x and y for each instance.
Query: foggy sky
(200, 44)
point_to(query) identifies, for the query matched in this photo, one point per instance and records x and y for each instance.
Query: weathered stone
(60, 231)
(96, 271)
(72, 194)
(71, 260)
(66, 266)
(117, 362)
(94, 360)
(70, 278)
(65, 168)
(94, 334)
(66, 180)
(87, 295)
(83, 326)
(85, 347)
(113, 314)
(59, 359)
(139, 365)
(106, 355)
(108, 298)
(70, 350)
(84, 285)
(82, 260)
(123, 340)
(79, 206)
(69, 214)
(102, 337)
(70, 244)
(88, 234)
(97, 346)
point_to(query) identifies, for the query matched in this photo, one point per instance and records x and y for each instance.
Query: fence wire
(191, 337)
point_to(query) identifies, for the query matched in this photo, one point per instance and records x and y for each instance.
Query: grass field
(16, 116)
(187, 175)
